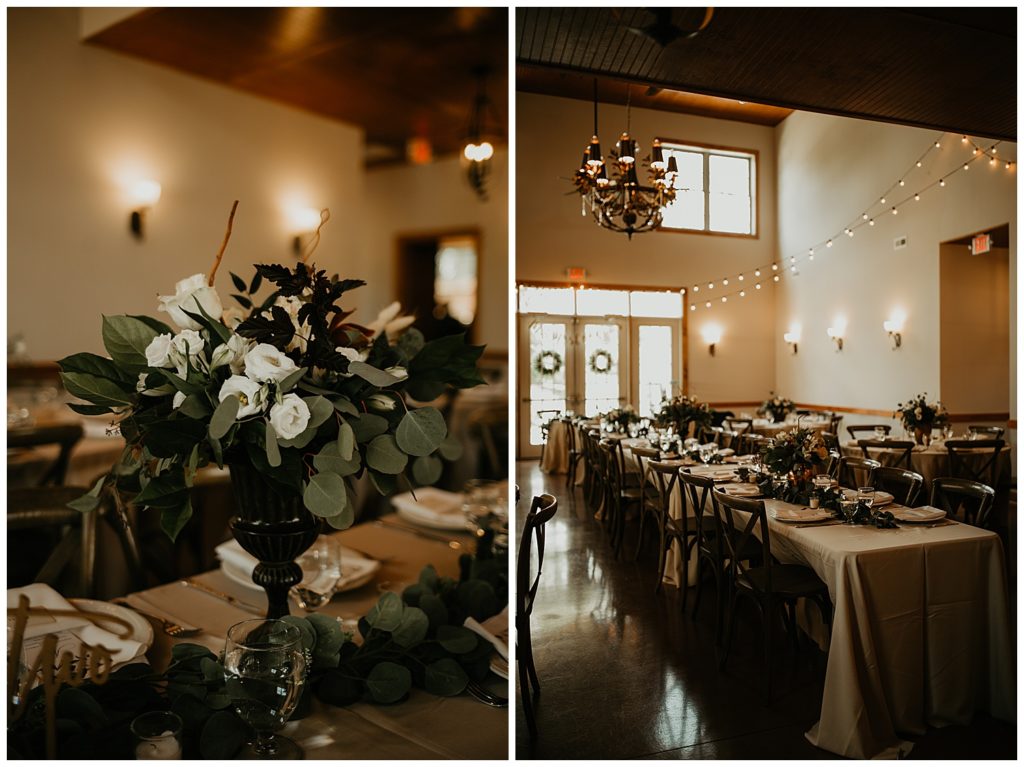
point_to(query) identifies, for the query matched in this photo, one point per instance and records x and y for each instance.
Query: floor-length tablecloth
(921, 631)
(423, 726)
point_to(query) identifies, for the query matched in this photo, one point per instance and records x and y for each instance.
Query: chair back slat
(65, 436)
(740, 534)
(542, 509)
(903, 484)
(971, 459)
(904, 448)
(867, 427)
(964, 500)
(696, 492)
(849, 466)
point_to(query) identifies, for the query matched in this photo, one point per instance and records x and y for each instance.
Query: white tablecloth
(931, 461)
(770, 428)
(921, 631)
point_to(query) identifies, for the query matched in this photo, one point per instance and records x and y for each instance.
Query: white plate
(433, 508)
(142, 630)
(499, 666)
(741, 490)
(793, 515)
(364, 569)
(923, 514)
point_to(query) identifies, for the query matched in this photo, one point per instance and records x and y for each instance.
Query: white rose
(191, 294)
(179, 397)
(352, 355)
(389, 322)
(250, 395)
(188, 343)
(232, 353)
(158, 352)
(290, 416)
(265, 363)
(398, 372)
(380, 402)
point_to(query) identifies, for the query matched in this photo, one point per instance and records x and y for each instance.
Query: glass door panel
(605, 375)
(657, 358)
(545, 378)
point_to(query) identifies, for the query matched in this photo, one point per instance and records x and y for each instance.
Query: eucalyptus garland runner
(601, 362)
(413, 640)
(547, 363)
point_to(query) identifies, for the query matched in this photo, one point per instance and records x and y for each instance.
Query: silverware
(231, 600)
(452, 544)
(486, 696)
(825, 523)
(170, 628)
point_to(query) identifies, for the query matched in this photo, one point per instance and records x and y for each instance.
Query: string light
(725, 281)
(963, 140)
(776, 278)
(871, 222)
(724, 299)
(757, 272)
(965, 166)
(894, 211)
(937, 145)
(919, 162)
(708, 305)
(740, 278)
(882, 201)
(743, 294)
(757, 286)
(864, 216)
(828, 244)
(902, 182)
(942, 182)
(711, 286)
(696, 288)
(775, 267)
(693, 307)
(917, 197)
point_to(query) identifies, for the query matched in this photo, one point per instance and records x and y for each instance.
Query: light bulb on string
(810, 252)
(937, 145)
(871, 222)
(693, 307)
(942, 182)
(696, 288)
(711, 286)
(902, 182)
(994, 150)
(965, 166)
(743, 294)
(883, 201)
(740, 278)
(757, 286)
(917, 197)
(757, 272)
(864, 216)
(725, 281)
(918, 163)
(725, 299)
(775, 267)
(963, 140)
(707, 305)
(828, 244)
(894, 211)
(776, 278)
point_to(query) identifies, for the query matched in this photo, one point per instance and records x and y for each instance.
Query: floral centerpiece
(681, 412)
(298, 401)
(920, 416)
(796, 455)
(621, 417)
(776, 407)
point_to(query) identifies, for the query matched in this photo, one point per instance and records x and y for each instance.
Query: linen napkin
(432, 508)
(495, 631)
(920, 514)
(83, 629)
(354, 566)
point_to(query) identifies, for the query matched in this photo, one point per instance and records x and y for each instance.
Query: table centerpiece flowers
(621, 417)
(776, 407)
(919, 416)
(686, 414)
(288, 393)
(795, 457)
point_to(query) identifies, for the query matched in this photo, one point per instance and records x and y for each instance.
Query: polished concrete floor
(625, 675)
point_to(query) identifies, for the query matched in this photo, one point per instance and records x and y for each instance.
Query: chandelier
(611, 189)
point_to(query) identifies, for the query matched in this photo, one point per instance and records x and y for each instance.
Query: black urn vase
(274, 528)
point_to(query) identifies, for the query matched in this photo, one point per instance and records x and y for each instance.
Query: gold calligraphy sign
(90, 663)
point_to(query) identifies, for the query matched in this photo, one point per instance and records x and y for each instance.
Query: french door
(569, 364)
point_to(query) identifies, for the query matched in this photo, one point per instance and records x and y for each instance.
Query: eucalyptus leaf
(384, 455)
(329, 636)
(372, 375)
(346, 440)
(421, 431)
(224, 416)
(344, 405)
(222, 736)
(386, 484)
(344, 520)
(273, 452)
(325, 495)
(320, 409)
(445, 677)
(386, 615)
(456, 639)
(428, 578)
(413, 628)
(388, 682)
(367, 426)
(195, 406)
(450, 448)
(173, 520)
(410, 343)
(330, 459)
(479, 598)
(289, 381)
(305, 628)
(426, 470)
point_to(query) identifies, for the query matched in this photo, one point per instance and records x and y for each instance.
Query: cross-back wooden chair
(987, 432)
(902, 448)
(904, 485)
(964, 500)
(666, 476)
(542, 510)
(575, 451)
(65, 436)
(649, 503)
(698, 497)
(856, 472)
(975, 459)
(867, 428)
(774, 588)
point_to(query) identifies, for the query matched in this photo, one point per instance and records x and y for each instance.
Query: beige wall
(552, 235)
(404, 200)
(829, 169)
(84, 122)
(974, 328)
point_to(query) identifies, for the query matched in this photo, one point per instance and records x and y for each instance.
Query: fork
(485, 696)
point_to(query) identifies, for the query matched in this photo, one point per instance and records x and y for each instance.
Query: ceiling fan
(663, 31)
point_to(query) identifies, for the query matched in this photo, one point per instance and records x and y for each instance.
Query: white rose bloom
(389, 322)
(398, 372)
(232, 353)
(352, 355)
(188, 343)
(190, 294)
(290, 416)
(158, 352)
(251, 395)
(265, 363)
(381, 402)
(179, 397)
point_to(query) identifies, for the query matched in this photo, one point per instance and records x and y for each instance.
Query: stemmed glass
(821, 483)
(866, 495)
(264, 672)
(880, 433)
(706, 452)
(849, 508)
(321, 571)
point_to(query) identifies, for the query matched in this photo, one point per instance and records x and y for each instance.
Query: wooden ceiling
(398, 72)
(951, 69)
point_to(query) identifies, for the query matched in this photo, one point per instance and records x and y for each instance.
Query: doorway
(436, 279)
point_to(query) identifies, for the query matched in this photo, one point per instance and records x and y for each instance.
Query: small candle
(814, 502)
(162, 746)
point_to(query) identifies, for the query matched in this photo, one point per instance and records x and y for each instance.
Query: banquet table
(768, 428)
(929, 461)
(423, 726)
(921, 633)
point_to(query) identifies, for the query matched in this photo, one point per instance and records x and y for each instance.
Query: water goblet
(321, 571)
(880, 433)
(866, 495)
(848, 506)
(264, 672)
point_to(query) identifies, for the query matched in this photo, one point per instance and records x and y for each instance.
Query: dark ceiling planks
(952, 69)
(397, 73)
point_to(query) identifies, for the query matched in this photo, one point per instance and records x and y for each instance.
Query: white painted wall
(830, 169)
(551, 235)
(406, 200)
(84, 122)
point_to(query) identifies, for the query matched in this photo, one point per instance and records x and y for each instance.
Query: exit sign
(576, 274)
(981, 243)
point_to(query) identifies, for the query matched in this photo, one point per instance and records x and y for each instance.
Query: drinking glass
(880, 433)
(264, 672)
(866, 495)
(849, 508)
(321, 571)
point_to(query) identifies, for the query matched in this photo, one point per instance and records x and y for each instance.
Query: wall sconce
(894, 328)
(836, 334)
(305, 221)
(144, 195)
(792, 338)
(712, 335)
